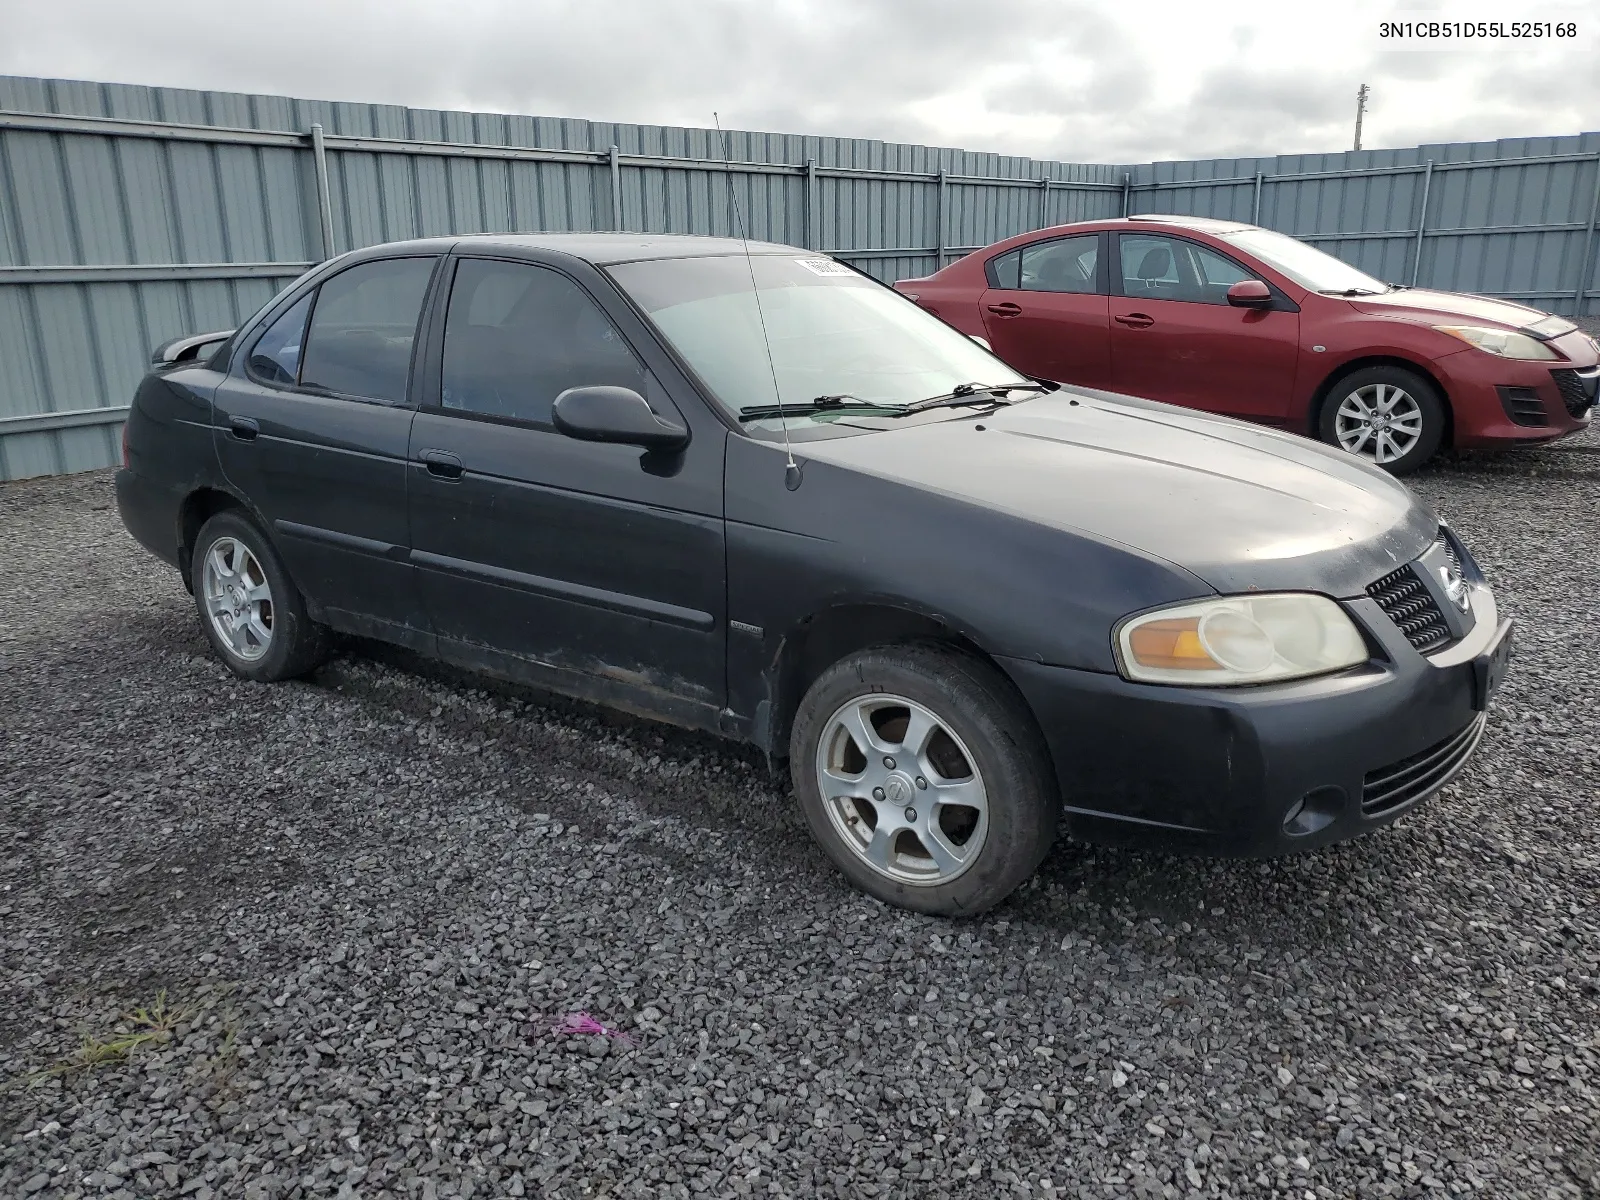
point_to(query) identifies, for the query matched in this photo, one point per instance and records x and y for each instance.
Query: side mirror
(614, 414)
(1250, 293)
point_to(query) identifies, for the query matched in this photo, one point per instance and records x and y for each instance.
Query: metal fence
(131, 214)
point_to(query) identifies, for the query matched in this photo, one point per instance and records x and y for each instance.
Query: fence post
(813, 202)
(941, 212)
(1422, 222)
(319, 158)
(616, 189)
(1044, 203)
(1127, 186)
(1586, 263)
(1255, 217)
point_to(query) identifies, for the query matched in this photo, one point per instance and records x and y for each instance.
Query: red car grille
(1577, 395)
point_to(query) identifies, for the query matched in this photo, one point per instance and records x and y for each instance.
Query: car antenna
(791, 470)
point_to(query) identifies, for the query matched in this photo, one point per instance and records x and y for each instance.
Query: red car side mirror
(1249, 293)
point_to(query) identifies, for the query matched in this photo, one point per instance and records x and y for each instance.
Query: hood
(1239, 506)
(1420, 304)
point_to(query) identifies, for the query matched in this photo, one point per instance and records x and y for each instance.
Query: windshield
(833, 333)
(1306, 265)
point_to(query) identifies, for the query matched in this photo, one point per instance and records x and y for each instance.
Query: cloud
(1049, 78)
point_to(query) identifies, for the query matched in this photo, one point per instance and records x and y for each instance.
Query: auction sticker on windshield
(824, 266)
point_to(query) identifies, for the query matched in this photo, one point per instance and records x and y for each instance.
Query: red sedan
(1240, 320)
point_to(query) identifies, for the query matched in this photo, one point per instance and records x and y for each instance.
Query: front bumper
(1502, 402)
(1261, 770)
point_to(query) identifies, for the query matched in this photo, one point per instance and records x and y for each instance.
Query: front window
(1306, 265)
(518, 335)
(831, 331)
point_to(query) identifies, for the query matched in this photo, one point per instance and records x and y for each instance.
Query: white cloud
(1051, 78)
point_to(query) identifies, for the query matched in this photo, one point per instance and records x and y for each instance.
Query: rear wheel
(924, 777)
(253, 614)
(1387, 415)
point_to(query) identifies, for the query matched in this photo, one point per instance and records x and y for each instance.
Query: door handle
(1006, 309)
(1136, 320)
(441, 463)
(246, 429)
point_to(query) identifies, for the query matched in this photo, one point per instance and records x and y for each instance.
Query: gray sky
(1128, 81)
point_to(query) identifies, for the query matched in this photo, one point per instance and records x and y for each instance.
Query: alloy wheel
(1380, 421)
(238, 598)
(902, 790)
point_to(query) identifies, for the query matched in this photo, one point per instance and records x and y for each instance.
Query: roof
(1207, 224)
(603, 248)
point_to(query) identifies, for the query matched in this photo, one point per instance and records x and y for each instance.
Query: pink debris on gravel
(582, 1024)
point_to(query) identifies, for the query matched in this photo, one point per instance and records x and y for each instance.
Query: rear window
(362, 329)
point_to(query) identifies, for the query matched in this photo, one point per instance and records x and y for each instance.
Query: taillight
(124, 445)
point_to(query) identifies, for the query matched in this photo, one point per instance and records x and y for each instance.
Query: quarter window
(275, 358)
(1006, 270)
(363, 327)
(516, 336)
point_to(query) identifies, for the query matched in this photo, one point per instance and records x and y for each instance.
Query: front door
(1175, 337)
(312, 427)
(598, 568)
(1046, 311)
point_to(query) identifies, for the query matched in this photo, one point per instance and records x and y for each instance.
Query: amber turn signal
(1172, 645)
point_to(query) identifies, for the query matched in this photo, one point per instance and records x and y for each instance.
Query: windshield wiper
(824, 403)
(1350, 292)
(972, 393)
(962, 393)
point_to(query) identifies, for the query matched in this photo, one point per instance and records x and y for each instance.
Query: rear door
(312, 427)
(576, 558)
(1046, 311)
(1175, 337)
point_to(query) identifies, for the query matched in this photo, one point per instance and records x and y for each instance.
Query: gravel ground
(353, 910)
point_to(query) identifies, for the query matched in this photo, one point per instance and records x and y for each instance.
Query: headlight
(1239, 639)
(1501, 342)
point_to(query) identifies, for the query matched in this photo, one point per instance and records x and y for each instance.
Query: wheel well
(199, 506)
(1380, 360)
(825, 638)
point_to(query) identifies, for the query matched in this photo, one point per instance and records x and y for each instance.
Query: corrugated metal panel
(215, 201)
(1511, 217)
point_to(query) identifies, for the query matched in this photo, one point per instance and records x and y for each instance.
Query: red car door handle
(1006, 309)
(1136, 321)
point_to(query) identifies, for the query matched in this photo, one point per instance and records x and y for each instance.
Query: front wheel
(924, 776)
(1386, 415)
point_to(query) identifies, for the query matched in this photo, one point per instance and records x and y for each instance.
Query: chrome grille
(1411, 606)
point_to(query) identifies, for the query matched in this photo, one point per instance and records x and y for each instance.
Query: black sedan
(761, 494)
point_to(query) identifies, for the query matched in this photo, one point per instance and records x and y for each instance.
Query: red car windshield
(1306, 265)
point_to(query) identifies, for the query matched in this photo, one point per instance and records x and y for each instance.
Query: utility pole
(1361, 108)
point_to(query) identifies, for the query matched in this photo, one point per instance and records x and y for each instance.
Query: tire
(980, 853)
(276, 639)
(1360, 395)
